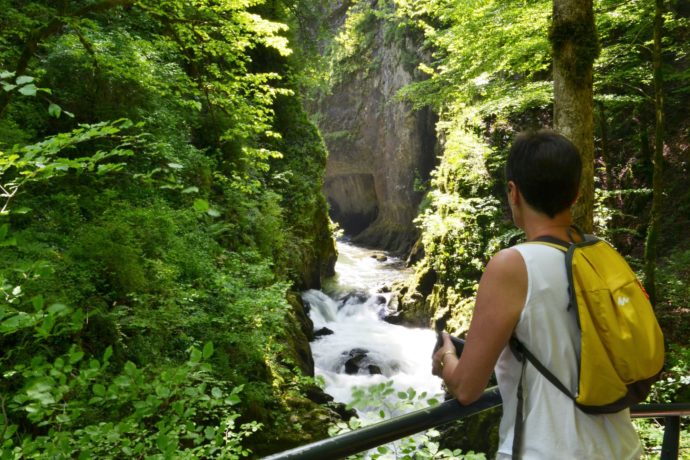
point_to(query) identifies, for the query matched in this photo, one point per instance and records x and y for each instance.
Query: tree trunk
(650, 254)
(575, 46)
(606, 160)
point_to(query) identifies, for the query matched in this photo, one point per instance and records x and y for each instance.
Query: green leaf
(56, 308)
(4, 228)
(6, 74)
(21, 210)
(216, 392)
(191, 190)
(9, 431)
(175, 166)
(98, 389)
(107, 354)
(16, 322)
(201, 205)
(208, 350)
(213, 212)
(75, 356)
(195, 356)
(130, 368)
(232, 399)
(163, 391)
(37, 302)
(24, 79)
(28, 90)
(54, 110)
(162, 441)
(8, 87)
(8, 242)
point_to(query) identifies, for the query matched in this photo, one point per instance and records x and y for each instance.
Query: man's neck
(539, 225)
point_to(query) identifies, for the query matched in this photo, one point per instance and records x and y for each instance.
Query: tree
(61, 18)
(575, 46)
(658, 158)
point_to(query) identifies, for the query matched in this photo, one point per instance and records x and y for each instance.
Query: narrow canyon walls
(380, 149)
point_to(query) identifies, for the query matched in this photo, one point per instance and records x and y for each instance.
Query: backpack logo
(622, 301)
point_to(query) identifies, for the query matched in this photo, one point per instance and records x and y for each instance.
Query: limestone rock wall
(378, 146)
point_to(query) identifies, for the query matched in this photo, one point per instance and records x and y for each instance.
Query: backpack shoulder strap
(551, 241)
(523, 355)
(521, 352)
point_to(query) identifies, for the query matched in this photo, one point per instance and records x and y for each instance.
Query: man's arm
(500, 298)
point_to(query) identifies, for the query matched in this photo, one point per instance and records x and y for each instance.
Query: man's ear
(513, 192)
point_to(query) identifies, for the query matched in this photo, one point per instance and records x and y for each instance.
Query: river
(363, 349)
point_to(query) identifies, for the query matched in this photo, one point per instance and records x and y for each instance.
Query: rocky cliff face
(378, 146)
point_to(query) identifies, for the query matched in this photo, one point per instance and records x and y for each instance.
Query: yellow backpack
(621, 344)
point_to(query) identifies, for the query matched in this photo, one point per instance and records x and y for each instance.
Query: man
(524, 292)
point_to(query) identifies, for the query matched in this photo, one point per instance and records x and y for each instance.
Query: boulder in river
(359, 362)
(321, 332)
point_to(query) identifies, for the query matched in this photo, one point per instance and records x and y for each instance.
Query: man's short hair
(546, 168)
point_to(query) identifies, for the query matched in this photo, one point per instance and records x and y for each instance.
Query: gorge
(381, 151)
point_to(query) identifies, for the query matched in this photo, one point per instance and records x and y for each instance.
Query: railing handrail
(390, 430)
(408, 424)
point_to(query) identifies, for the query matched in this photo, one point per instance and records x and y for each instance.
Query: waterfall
(354, 346)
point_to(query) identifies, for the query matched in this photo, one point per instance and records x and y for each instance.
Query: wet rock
(316, 394)
(394, 318)
(374, 369)
(355, 361)
(380, 257)
(392, 314)
(353, 297)
(359, 362)
(321, 332)
(299, 333)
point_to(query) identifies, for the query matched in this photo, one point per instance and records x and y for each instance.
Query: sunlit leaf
(208, 350)
(28, 90)
(54, 110)
(201, 205)
(24, 79)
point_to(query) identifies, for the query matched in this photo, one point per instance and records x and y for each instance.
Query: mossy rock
(301, 422)
(478, 433)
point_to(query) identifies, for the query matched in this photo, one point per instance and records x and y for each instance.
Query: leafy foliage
(489, 78)
(382, 396)
(132, 246)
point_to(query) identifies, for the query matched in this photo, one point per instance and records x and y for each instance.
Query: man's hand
(437, 362)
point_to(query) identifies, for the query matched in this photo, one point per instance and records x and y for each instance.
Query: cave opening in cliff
(352, 200)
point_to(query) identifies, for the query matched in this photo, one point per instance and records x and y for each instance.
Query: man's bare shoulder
(506, 262)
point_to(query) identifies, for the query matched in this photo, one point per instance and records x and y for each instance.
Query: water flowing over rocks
(352, 344)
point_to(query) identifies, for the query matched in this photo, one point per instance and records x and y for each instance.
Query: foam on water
(353, 309)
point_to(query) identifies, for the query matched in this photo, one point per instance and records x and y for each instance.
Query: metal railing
(396, 428)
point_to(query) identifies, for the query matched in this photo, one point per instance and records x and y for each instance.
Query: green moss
(583, 38)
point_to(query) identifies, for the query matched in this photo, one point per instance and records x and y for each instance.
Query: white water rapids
(352, 306)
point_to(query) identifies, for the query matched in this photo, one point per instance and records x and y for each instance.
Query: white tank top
(554, 427)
